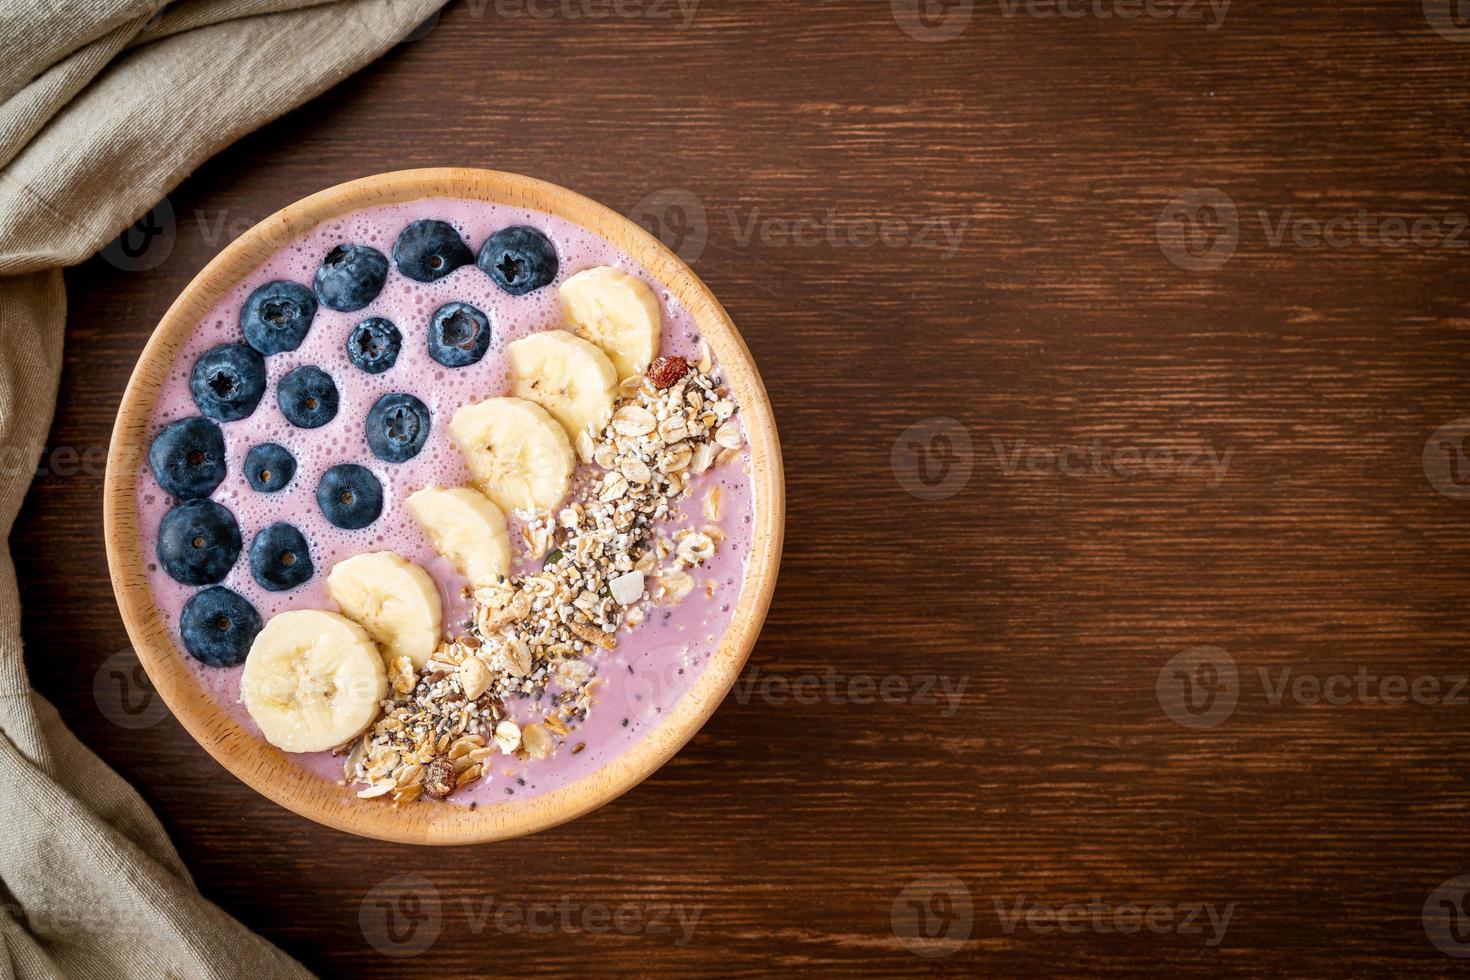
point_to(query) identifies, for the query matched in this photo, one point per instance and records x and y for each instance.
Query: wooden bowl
(263, 766)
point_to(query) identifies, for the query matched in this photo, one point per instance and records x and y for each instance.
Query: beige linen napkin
(104, 107)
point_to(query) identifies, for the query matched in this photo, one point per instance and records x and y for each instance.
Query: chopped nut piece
(474, 677)
(537, 537)
(508, 736)
(402, 675)
(492, 620)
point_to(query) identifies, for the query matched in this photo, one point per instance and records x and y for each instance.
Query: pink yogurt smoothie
(652, 666)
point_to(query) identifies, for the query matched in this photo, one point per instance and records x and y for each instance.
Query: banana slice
(566, 375)
(393, 599)
(467, 529)
(617, 312)
(312, 680)
(518, 454)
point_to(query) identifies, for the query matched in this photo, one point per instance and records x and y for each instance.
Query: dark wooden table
(1133, 464)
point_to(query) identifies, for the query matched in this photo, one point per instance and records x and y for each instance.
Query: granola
(541, 634)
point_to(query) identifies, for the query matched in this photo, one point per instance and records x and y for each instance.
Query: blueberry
(218, 627)
(269, 467)
(198, 542)
(308, 397)
(459, 335)
(428, 250)
(279, 558)
(520, 259)
(373, 345)
(228, 381)
(349, 496)
(188, 458)
(351, 277)
(277, 315)
(397, 427)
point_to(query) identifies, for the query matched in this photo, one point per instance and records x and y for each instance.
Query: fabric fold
(38, 33)
(103, 110)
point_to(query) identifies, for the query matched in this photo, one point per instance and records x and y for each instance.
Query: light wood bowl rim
(265, 768)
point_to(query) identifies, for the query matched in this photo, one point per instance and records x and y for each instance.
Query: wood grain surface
(1140, 204)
